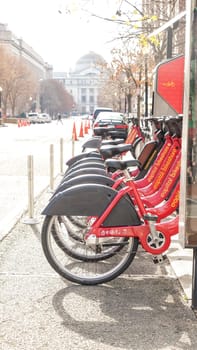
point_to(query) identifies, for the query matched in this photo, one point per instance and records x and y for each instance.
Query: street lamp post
(146, 87)
(145, 52)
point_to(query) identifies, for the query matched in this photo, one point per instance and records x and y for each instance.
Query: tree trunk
(129, 96)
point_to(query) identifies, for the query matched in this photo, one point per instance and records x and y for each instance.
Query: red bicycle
(110, 225)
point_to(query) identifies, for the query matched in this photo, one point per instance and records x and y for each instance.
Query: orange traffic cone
(74, 133)
(81, 130)
(86, 128)
(19, 123)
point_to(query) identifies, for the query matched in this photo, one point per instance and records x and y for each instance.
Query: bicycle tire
(72, 241)
(137, 147)
(81, 272)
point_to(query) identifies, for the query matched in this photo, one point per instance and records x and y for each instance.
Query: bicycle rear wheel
(69, 236)
(97, 268)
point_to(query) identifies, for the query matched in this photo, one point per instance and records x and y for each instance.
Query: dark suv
(110, 124)
(98, 110)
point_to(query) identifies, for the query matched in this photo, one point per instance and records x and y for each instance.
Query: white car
(33, 117)
(45, 118)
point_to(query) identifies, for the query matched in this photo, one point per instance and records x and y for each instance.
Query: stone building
(40, 70)
(17, 46)
(84, 82)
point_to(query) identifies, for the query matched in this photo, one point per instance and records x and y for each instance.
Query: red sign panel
(170, 83)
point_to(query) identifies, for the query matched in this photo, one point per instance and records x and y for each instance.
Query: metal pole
(169, 42)
(30, 186)
(61, 155)
(73, 145)
(194, 280)
(30, 220)
(146, 88)
(51, 167)
(0, 101)
(1, 122)
(125, 103)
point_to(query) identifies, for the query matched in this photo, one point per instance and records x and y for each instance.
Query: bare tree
(54, 98)
(126, 78)
(17, 82)
(137, 20)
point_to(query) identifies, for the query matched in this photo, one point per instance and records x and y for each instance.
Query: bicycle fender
(80, 156)
(94, 142)
(87, 160)
(85, 179)
(84, 171)
(90, 164)
(93, 200)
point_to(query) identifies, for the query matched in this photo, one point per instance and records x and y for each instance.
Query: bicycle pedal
(159, 259)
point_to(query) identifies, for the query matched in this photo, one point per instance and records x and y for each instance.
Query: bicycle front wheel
(99, 267)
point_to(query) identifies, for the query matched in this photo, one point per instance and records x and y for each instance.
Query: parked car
(33, 117)
(111, 124)
(99, 110)
(85, 116)
(45, 118)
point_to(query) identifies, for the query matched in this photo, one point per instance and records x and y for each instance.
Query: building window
(83, 98)
(83, 91)
(91, 99)
(91, 109)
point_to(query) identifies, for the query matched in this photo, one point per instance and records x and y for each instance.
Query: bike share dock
(144, 308)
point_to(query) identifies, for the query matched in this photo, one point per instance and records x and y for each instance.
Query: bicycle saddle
(109, 151)
(121, 164)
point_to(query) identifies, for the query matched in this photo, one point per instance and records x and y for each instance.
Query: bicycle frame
(146, 230)
(166, 229)
(169, 189)
(167, 185)
(133, 134)
(167, 176)
(164, 159)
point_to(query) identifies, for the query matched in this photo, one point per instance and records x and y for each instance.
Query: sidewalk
(148, 307)
(14, 202)
(181, 262)
(143, 309)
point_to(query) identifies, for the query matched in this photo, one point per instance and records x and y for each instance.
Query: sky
(59, 31)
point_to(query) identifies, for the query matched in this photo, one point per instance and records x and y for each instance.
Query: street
(16, 144)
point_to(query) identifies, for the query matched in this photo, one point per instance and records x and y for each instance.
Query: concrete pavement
(14, 201)
(148, 307)
(144, 309)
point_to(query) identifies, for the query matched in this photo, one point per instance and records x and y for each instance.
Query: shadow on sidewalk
(138, 310)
